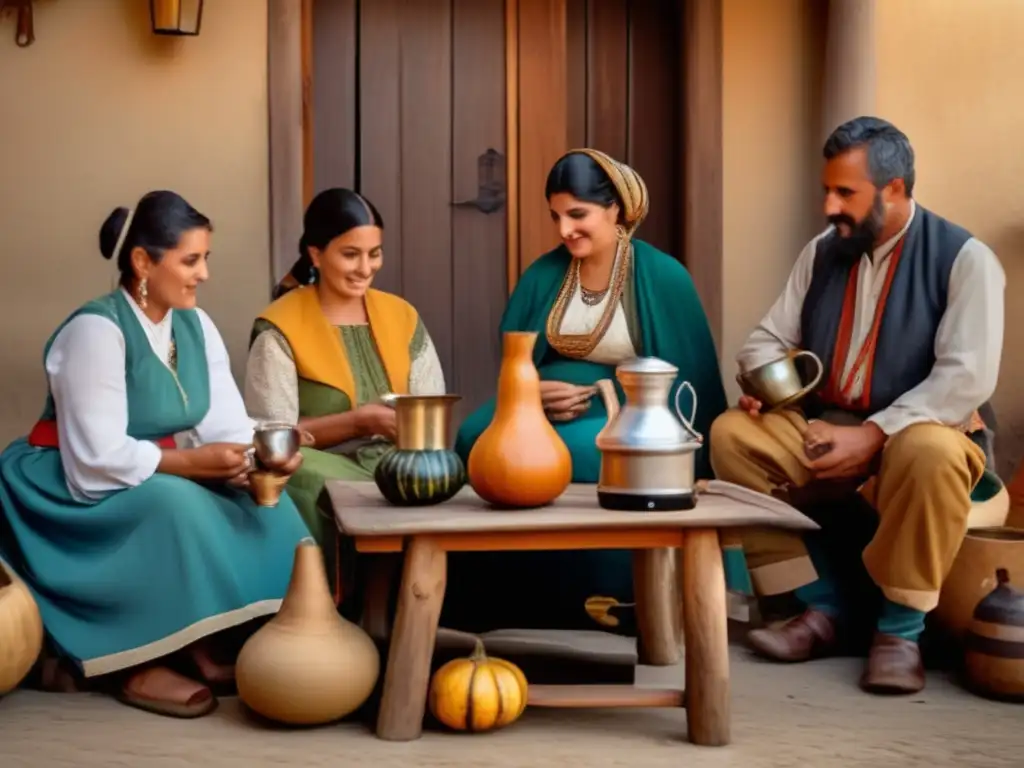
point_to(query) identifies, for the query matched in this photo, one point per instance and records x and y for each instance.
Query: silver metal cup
(276, 443)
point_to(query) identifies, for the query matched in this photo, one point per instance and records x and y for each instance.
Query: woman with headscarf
(125, 509)
(325, 351)
(600, 298)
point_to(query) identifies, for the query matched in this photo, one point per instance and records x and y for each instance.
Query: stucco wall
(773, 54)
(99, 111)
(953, 79)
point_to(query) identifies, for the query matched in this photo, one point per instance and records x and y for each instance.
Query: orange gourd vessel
(519, 460)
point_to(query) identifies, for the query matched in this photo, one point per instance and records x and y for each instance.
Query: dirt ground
(810, 714)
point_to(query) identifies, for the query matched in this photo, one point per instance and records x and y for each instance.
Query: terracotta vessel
(973, 574)
(21, 631)
(994, 644)
(519, 460)
(308, 665)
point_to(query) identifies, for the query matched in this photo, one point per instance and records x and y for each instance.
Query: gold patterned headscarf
(635, 204)
(627, 182)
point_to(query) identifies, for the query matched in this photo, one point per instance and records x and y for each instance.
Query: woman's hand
(376, 419)
(565, 402)
(219, 461)
(241, 480)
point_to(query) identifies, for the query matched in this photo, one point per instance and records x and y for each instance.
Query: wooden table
(572, 522)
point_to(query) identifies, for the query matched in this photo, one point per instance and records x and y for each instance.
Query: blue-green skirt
(146, 571)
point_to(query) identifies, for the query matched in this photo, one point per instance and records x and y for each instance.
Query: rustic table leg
(381, 572)
(705, 627)
(412, 641)
(656, 591)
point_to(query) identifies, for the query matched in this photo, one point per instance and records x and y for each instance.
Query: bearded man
(905, 311)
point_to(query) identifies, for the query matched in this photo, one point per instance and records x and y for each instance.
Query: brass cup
(423, 422)
(778, 384)
(266, 487)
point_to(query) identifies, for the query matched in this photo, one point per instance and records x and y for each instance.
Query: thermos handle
(609, 396)
(688, 422)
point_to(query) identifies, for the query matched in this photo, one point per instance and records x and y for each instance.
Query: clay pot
(994, 644)
(973, 574)
(307, 665)
(519, 460)
(21, 631)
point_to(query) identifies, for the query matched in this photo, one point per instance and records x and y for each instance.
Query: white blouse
(86, 371)
(580, 318)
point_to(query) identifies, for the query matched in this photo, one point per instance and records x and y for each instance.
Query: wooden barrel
(994, 643)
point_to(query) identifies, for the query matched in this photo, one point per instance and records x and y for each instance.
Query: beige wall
(772, 116)
(953, 79)
(99, 111)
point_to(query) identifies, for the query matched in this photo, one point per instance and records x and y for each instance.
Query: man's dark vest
(905, 352)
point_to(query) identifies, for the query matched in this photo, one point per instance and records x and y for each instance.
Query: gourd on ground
(21, 631)
(478, 693)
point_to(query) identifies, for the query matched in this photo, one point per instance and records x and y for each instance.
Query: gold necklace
(580, 345)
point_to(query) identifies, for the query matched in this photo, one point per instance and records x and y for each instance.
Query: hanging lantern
(176, 17)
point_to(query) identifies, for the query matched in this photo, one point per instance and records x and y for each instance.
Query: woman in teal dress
(598, 299)
(126, 509)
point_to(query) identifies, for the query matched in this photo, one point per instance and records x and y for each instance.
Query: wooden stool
(572, 522)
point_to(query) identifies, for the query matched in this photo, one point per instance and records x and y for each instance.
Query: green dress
(550, 589)
(146, 570)
(354, 461)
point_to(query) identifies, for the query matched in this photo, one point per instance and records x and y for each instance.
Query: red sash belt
(44, 435)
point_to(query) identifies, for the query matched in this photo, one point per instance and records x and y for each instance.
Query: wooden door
(409, 109)
(623, 75)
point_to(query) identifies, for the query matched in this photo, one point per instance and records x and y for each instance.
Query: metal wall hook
(490, 184)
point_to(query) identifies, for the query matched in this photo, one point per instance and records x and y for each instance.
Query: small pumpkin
(478, 693)
(410, 478)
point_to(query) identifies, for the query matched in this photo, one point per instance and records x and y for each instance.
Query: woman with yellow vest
(322, 354)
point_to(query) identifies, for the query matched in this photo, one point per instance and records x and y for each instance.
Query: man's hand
(750, 404)
(853, 449)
